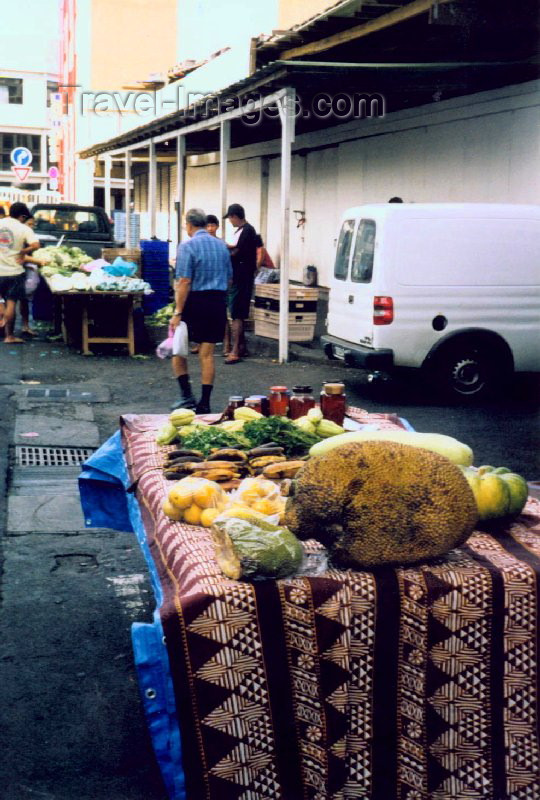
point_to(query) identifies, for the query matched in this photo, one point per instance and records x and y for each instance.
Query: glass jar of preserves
(235, 401)
(254, 402)
(278, 401)
(265, 406)
(301, 401)
(334, 401)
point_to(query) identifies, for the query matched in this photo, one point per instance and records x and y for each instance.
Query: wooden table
(85, 300)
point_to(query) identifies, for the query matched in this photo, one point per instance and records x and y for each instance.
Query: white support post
(224, 145)
(128, 196)
(152, 186)
(108, 170)
(180, 160)
(286, 113)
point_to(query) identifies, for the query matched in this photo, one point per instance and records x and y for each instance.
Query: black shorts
(239, 298)
(12, 287)
(205, 314)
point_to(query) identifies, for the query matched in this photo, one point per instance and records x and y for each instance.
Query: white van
(449, 288)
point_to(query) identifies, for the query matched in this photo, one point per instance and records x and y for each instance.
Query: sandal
(232, 359)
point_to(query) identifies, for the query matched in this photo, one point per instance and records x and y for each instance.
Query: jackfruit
(373, 503)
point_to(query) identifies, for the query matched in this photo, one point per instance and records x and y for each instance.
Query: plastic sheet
(103, 485)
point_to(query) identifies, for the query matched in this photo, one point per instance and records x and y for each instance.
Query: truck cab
(87, 227)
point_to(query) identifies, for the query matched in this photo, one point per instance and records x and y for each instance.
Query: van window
(341, 269)
(364, 248)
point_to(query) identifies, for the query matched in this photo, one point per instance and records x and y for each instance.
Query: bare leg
(2, 312)
(227, 339)
(9, 317)
(24, 307)
(179, 366)
(237, 331)
(206, 360)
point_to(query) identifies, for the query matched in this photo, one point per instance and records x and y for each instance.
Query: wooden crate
(301, 326)
(272, 290)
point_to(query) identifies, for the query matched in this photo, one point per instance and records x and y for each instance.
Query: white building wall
(243, 186)
(483, 157)
(481, 148)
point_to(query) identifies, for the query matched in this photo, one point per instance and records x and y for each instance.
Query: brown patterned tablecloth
(416, 683)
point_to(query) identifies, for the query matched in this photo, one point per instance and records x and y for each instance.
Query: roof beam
(358, 31)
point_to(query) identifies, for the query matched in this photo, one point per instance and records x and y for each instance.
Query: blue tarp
(103, 485)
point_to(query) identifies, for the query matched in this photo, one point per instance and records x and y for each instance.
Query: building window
(52, 88)
(9, 141)
(11, 90)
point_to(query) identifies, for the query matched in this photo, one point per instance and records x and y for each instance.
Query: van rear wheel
(469, 370)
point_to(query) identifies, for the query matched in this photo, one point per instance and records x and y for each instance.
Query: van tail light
(383, 310)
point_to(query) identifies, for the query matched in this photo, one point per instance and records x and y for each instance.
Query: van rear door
(350, 312)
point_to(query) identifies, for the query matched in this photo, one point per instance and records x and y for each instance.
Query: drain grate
(26, 456)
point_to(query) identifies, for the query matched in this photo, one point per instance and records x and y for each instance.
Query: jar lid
(302, 389)
(334, 388)
(235, 397)
(278, 388)
(253, 398)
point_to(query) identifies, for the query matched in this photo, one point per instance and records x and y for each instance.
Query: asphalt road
(72, 720)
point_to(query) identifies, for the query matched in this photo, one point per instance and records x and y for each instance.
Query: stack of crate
(302, 312)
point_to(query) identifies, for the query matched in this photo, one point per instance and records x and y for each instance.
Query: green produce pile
(61, 260)
(282, 431)
(209, 437)
(162, 316)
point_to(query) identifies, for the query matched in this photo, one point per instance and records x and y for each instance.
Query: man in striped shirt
(203, 275)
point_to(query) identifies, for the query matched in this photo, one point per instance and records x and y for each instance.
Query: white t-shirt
(13, 237)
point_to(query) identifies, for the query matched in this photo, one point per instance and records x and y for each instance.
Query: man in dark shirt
(244, 261)
(203, 274)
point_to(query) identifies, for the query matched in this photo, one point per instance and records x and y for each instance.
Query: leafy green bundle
(210, 437)
(282, 431)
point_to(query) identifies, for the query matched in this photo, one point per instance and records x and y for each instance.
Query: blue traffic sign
(21, 157)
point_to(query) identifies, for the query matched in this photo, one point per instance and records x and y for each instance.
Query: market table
(410, 683)
(87, 305)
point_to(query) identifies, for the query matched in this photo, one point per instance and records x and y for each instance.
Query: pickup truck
(87, 227)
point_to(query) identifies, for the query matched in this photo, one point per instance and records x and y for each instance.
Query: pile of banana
(270, 461)
(228, 466)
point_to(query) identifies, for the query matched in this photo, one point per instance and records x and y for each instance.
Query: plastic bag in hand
(180, 346)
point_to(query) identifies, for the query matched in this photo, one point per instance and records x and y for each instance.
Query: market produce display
(61, 260)
(70, 269)
(371, 497)
(375, 502)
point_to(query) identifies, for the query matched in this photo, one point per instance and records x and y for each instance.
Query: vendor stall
(414, 682)
(95, 300)
(85, 317)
